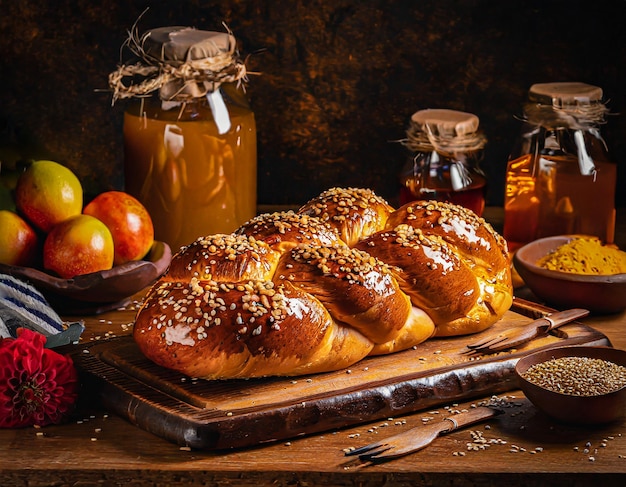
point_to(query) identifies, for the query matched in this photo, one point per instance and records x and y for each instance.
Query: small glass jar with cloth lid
(559, 178)
(446, 148)
(190, 152)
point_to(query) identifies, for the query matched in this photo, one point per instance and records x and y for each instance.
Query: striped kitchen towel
(23, 306)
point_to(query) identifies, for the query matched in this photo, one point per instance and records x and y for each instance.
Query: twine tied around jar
(445, 131)
(181, 62)
(419, 140)
(577, 114)
(445, 141)
(569, 105)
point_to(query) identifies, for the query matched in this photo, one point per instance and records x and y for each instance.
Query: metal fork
(514, 337)
(419, 437)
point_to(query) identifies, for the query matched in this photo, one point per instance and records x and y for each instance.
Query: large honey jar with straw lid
(559, 177)
(189, 133)
(446, 147)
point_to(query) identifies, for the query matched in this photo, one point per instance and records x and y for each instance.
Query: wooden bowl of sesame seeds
(578, 384)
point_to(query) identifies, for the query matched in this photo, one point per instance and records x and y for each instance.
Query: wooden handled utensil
(515, 337)
(419, 437)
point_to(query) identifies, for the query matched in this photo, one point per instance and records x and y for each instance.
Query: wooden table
(521, 447)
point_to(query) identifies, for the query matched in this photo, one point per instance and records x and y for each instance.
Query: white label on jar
(459, 176)
(174, 140)
(220, 112)
(585, 162)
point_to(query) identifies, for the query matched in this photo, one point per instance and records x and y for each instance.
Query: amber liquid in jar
(552, 197)
(193, 180)
(437, 185)
(472, 197)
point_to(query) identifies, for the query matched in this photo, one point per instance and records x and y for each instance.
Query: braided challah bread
(344, 277)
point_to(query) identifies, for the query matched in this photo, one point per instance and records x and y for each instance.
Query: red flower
(38, 386)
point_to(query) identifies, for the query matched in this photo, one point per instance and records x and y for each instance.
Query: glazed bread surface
(316, 290)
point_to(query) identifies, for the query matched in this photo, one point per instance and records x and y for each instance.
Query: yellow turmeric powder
(585, 255)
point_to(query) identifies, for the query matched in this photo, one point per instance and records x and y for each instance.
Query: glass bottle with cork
(559, 177)
(446, 148)
(189, 133)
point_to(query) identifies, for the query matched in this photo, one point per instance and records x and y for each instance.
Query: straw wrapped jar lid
(180, 62)
(450, 123)
(566, 93)
(565, 104)
(444, 130)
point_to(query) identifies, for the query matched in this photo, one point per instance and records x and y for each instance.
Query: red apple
(129, 222)
(18, 240)
(79, 245)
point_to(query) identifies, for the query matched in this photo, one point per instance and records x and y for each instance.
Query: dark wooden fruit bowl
(97, 291)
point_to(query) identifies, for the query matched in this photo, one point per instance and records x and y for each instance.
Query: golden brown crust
(213, 330)
(418, 328)
(286, 229)
(224, 258)
(434, 277)
(356, 288)
(354, 212)
(477, 244)
(466, 232)
(292, 293)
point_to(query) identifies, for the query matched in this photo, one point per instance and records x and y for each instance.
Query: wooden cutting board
(237, 413)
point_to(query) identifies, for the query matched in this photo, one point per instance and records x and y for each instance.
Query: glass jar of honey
(189, 133)
(559, 178)
(446, 149)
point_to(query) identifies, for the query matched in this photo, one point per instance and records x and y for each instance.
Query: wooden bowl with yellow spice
(565, 273)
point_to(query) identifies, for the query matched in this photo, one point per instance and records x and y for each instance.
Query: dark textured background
(339, 79)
